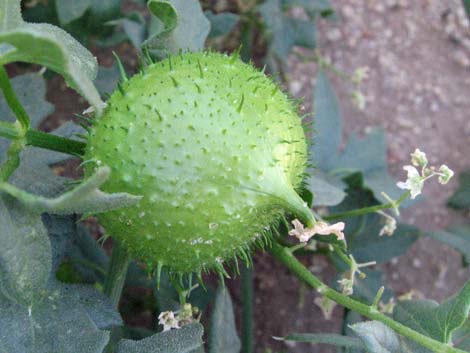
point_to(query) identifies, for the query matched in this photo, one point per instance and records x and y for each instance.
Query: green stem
(114, 282)
(13, 160)
(301, 272)
(12, 100)
(9, 130)
(42, 140)
(366, 210)
(55, 143)
(247, 309)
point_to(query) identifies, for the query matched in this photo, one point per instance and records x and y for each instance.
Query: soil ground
(418, 53)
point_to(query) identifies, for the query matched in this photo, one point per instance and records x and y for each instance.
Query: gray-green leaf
(56, 322)
(223, 333)
(324, 338)
(327, 123)
(221, 23)
(83, 199)
(457, 237)
(183, 27)
(327, 190)
(69, 10)
(438, 321)
(183, 340)
(25, 259)
(47, 45)
(379, 338)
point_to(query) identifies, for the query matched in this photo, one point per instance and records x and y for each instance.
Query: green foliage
(367, 155)
(188, 339)
(223, 333)
(324, 338)
(181, 25)
(457, 237)
(221, 23)
(438, 321)
(284, 32)
(460, 200)
(427, 317)
(47, 45)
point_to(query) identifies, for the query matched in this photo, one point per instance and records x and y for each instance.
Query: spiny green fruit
(216, 150)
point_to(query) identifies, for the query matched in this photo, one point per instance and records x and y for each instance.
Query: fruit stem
(285, 256)
(42, 140)
(247, 308)
(369, 209)
(114, 282)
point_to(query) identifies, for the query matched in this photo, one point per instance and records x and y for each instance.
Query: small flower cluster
(349, 278)
(175, 320)
(358, 99)
(320, 228)
(415, 179)
(390, 224)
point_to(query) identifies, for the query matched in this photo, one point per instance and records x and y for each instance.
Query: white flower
(360, 74)
(445, 174)
(390, 225)
(358, 100)
(418, 158)
(300, 232)
(321, 228)
(414, 181)
(347, 285)
(168, 320)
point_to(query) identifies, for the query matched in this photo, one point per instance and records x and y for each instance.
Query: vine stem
(114, 282)
(247, 308)
(284, 255)
(370, 209)
(42, 140)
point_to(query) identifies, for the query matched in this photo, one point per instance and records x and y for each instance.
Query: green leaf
(69, 10)
(466, 5)
(350, 319)
(379, 338)
(368, 156)
(324, 338)
(461, 337)
(37, 314)
(285, 32)
(223, 333)
(107, 79)
(327, 190)
(105, 10)
(221, 23)
(438, 321)
(50, 46)
(184, 340)
(56, 322)
(183, 27)
(25, 259)
(461, 198)
(327, 123)
(84, 198)
(134, 27)
(457, 237)
(323, 7)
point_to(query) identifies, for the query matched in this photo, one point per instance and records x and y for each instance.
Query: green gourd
(215, 148)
